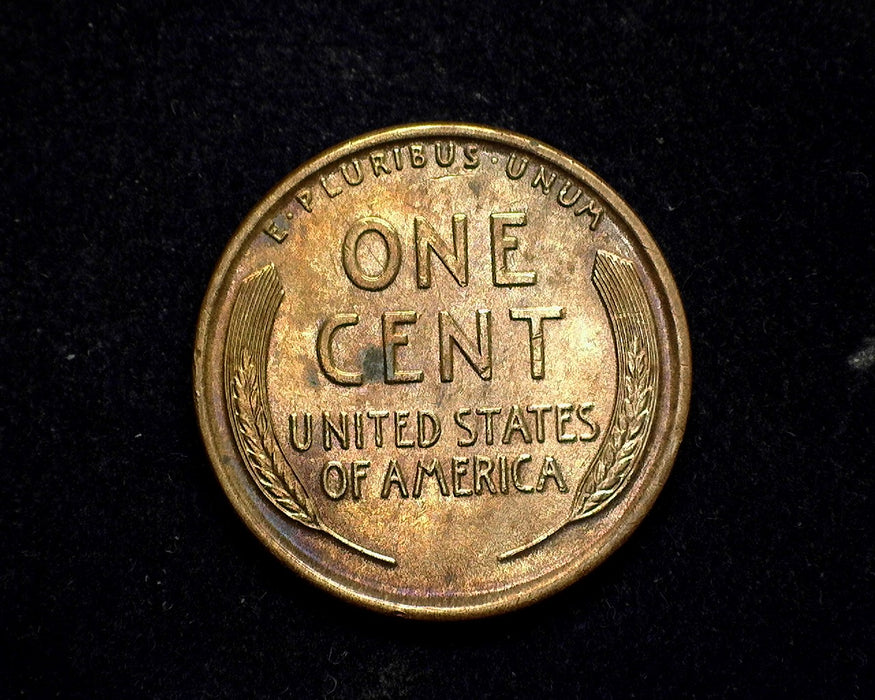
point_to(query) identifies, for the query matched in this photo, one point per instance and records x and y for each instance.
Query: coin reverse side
(442, 370)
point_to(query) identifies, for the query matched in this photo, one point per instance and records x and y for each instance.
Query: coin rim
(498, 601)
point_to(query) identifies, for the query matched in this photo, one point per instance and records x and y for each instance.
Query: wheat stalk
(632, 322)
(260, 449)
(614, 465)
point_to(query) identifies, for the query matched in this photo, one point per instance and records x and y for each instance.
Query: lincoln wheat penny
(442, 370)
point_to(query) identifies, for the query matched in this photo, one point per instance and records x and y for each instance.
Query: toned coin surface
(442, 370)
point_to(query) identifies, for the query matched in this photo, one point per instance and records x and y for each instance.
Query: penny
(442, 370)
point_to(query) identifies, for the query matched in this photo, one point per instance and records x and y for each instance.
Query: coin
(442, 370)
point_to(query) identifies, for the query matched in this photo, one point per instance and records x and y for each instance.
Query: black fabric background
(136, 138)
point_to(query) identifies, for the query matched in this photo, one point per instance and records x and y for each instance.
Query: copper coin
(442, 370)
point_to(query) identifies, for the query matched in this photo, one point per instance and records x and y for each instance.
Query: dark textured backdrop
(137, 138)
